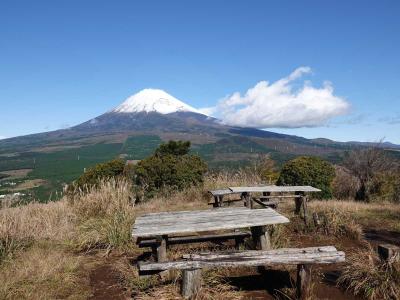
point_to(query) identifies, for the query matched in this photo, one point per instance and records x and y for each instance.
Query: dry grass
(43, 273)
(21, 226)
(101, 219)
(366, 275)
(381, 215)
(105, 215)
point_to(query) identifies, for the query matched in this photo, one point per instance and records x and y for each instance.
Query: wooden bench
(192, 264)
(238, 236)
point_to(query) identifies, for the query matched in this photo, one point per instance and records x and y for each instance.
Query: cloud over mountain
(280, 104)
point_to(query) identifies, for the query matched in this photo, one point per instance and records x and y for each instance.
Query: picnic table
(266, 190)
(162, 226)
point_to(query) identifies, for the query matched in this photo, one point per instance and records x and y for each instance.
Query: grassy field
(80, 247)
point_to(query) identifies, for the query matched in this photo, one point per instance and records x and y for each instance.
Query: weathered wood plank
(191, 283)
(206, 220)
(221, 192)
(266, 198)
(161, 248)
(197, 238)
(192, 214)
(303, 289)
(259, 260)
(201, 217)
(273, 188)
(272, 204)
(226, 201)
(253, 253)
(261, 237)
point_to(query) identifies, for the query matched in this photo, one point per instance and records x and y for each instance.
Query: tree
(306, 170)
(170, 167)
(265, 166)
(366, 164)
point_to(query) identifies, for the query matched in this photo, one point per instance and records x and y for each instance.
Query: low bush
(99, 172)
(312, 171)
(170, 168)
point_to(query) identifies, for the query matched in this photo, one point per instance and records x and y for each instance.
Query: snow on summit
(153, 100)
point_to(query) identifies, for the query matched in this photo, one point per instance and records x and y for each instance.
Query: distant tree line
(365, 174)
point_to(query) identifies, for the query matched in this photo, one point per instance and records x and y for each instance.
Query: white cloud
(2, 137)
(208, 111)
(281, 105)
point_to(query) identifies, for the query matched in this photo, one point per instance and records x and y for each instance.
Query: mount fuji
(153, 100)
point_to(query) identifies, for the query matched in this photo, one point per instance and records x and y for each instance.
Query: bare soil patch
(105, 283)
(376, 237)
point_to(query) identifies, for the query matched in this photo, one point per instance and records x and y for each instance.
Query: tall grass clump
(105, 214)
(337, 221)
(43, 273)
(367, 276)
(21, 226)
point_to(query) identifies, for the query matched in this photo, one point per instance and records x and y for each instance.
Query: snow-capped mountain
(150, 109)
(153, 100)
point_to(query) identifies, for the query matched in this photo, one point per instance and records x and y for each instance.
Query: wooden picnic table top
(273, 188)
(265, 188)
(181, 222)
(221, 192)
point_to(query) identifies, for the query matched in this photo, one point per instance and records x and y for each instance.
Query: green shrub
(176, 148)
(308, 171)
(99, 172)
(171, 167)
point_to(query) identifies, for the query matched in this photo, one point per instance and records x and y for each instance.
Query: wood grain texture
(273, 188)
(197, 239)
(157, 224)
(248, 259)
(303, 289)
(221, 192)
(191, 283)
(253, 253)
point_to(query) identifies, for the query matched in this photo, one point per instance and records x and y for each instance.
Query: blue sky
(64, 62)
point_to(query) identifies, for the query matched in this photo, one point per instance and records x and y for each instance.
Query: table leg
(303, 282)
(161, 254)
(221, 201)
(261, 237)
(215, 204)
(249, 201)
(298, 202)
(161, 250)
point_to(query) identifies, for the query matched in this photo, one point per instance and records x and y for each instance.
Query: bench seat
(191, 264)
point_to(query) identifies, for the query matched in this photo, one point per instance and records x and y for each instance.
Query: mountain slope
(133, 130)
